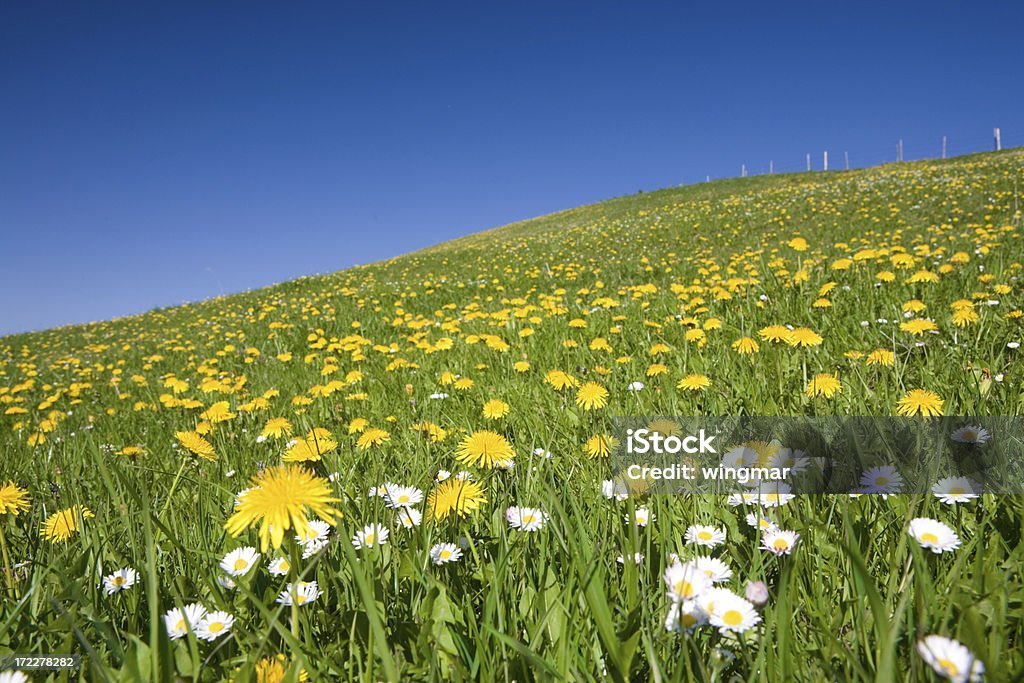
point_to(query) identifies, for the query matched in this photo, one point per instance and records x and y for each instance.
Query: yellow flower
(311, 448)
(918, 326)
(775, 333)
(920, 402)
(132, 451)
(592, 395)
(495, 409)
(372, 437)
(964, 317)
(454, 496)
(521, 366)
(882, 357)
(484, 448)
(600, 445)
(196, 445)
(559, 380)
(824, 385)
(62, 525)
(218, 412)
(276, 427)
(358, 425)
(745, 345)
(273, 670)
(656, 369)
(804, 337)
(798, 244)
(13, 499)
(434, 432)
(278, 500)
(694, 382)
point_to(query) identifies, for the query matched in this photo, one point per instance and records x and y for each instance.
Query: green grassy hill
(872, 292)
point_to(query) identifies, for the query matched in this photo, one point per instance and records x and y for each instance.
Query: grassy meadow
(461, 399)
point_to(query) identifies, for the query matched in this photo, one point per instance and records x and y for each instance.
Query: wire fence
(908, 149)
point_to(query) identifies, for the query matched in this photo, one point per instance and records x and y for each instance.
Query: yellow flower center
(882, 481)
(704, 535)
(949, 667)
(370, 539)
(215, 627)
(529, 519)
(445, 554)
(240, 564)
(780, 544)
(684, 588)
(688, 620)
(300, 599)
(732, 618)
(118, 581)
(929, 537)
(956, 491)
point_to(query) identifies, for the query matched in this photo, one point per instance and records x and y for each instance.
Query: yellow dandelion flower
(495, 409)
(521, 366)
(279, 499)
(964, 317)
(13, 499)
(804, 337)
(918, 326)
(882, 357)
(600, 445)
(62, 525)
(592, 395)
(920, 402)
(454, 496)
(694, 382)
(745, 345)
(484, 448)
(559, 380)
(373, 436)
(775, 333)
(825, 385)
(196, 444)
(276, 427)
(656, 369)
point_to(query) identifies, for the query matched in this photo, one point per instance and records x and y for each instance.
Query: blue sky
(153, 153)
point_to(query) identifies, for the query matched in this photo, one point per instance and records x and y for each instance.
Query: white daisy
(636, 558)
(714, 568)
(934, 535)
(950, 659)
(304, 592)
(121, 580)
(214, 625)
(972, 435)
(883, 479)
(953, 490)
(403, 496)
(635, 386)
(525, 519)
(728, 611)
(14, 676)
(441, 476)
(370, 536)
(179, 621)
(408, 518)
(540, 452)
(442, 553)
(614, 489)
(641, 517)
(239, 561)
(779, 542)
(707, 536)
(227, 582)
(774, 494)
(685, 615)
(315, 538)
(685, 581)
(280, 566)
(760, 523)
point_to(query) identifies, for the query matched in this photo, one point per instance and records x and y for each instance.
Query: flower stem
(7, 564)
(174, 487)
(295, 589)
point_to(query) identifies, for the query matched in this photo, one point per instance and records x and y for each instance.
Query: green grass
(849, 603)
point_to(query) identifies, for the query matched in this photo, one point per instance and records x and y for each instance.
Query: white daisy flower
(504, 464)
(179, 621)
(614, 489)
(971, 435)
(760, 523)
(707, 536)
(214, 625)
(737, 499)
(884, 479)
(685, 615)
(438, 396)
(315, 538)
(408, 518)
(370, 536)
(403, 496)
(540, 452)
(641, 517)
(714, 568)
(121, 580)
(685, 581)
(239, 561)
(227, 582)
(953, 490)
(280, 566)
(442, 553)
(635, 386)
(779, 542)
(795, 460)
(441, 476)
(636, 558)
(774, 494)
(933, 535)
(950, 659)
(525, 519)
(728, 611)
(301, 593)
(13, 676)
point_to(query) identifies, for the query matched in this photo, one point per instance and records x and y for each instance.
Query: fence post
(808, 162)
(825, 160)
(771, 168)
(846, 160)
(999, 144)
(899, 150)
(943, 146)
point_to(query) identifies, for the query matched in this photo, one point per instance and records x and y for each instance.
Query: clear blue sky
(153, 153)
